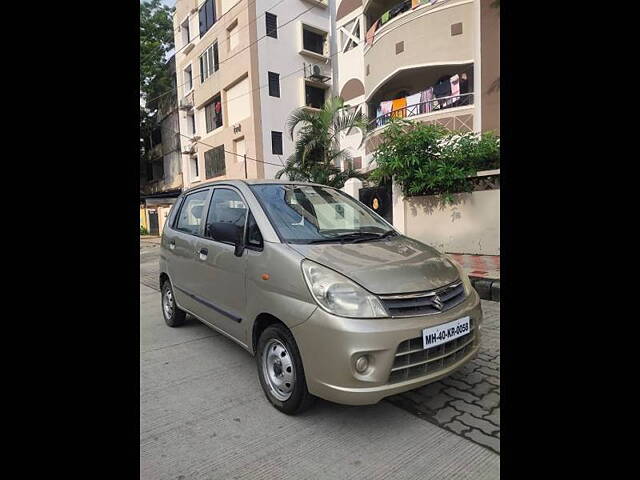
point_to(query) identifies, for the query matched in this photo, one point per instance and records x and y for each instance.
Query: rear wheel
(280, 371)
(173, 316)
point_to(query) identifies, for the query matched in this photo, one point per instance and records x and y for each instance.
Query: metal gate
(153, 223)
(379, 199)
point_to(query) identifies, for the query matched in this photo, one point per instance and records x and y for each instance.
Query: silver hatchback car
(328, 296)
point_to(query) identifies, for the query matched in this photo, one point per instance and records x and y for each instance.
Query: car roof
(251, 181)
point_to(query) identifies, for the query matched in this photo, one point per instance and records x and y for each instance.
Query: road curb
(487, 288)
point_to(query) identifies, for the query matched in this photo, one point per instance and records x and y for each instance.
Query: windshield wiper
(354, 237)
(339, 238)
(378, 236)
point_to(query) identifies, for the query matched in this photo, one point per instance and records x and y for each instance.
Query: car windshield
(316, 214)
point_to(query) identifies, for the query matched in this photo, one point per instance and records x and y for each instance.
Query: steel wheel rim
(167, 303)
(278, 370)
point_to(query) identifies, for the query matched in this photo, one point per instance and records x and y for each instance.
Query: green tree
(317, 149)
(431, 160)
(156, 41)
(156, 82)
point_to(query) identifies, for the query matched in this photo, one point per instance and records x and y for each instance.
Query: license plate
(434, 336)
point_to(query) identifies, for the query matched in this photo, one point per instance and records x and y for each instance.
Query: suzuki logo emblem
(437, 302)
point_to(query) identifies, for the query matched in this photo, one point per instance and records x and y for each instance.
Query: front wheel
(280, 370)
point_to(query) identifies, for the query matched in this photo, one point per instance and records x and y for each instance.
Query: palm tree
(317, 148)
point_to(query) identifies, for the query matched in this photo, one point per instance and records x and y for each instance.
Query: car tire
(277, 342)
(173, 316)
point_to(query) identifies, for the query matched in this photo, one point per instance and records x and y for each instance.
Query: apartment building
(241, 67)
(161, 172)
(434, 61)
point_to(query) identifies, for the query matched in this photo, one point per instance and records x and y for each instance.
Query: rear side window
(191, 212)
(227, 214)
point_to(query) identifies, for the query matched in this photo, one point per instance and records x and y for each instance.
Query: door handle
(172, 244)
(203, 253)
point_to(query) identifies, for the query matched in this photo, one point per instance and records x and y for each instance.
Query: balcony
(442, 94)
(435, 107)
(430, 34)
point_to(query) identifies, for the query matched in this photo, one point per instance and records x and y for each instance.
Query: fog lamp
(362, 363)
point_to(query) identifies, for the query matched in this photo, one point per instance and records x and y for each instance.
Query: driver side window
(226, 218)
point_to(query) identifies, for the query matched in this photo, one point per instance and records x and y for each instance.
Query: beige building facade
(242, 68)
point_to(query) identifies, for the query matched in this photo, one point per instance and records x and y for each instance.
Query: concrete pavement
(203, 415)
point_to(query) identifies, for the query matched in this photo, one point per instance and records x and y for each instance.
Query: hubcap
(167, 303)
(278, 370)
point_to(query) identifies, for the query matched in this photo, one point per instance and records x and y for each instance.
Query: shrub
(431, 160)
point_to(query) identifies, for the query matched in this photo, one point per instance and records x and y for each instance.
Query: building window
(209, 62)
(214, 165)
(213, 114)
(238, 101)
(188, 79)
(207, 15)
(353, 163)
(313, 40)
(314, 96)
(195, 172)
(191, 123)
(233, 36)
(272, 24)
(274, 84)
(186, 34)
(276, 143)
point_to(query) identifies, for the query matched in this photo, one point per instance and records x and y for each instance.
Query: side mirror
(229, 233)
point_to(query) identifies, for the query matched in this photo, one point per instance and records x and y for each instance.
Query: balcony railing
(432, 106)
(396, 11)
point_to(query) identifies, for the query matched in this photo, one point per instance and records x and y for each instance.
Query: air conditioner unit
(186, 103)
(315, 72)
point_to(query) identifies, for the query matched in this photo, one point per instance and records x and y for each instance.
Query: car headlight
(337, 294)
(463, 276)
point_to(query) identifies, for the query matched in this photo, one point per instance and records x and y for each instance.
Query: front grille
(424, 303)
(412, 360)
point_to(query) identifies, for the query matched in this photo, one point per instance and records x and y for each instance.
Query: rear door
(182, 244)
(219, 274)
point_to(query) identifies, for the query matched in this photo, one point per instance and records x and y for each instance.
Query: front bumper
(329, 346)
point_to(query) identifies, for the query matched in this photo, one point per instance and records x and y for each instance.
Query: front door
(219, 274)
(153, 222)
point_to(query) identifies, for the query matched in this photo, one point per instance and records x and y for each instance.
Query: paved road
(203, 415)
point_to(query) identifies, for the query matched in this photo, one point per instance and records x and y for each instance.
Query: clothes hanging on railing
(442, 89)
(426, 99)
(384, 18)
(371, 33)
(413, 100)
(455, 89)
(379, 116)
(415, 4)
(398, 109)
(398, 9)
(385, 107)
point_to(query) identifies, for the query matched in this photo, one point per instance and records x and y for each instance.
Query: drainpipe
(477, 66)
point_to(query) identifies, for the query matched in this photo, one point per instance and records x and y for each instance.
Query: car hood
(394, 265)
